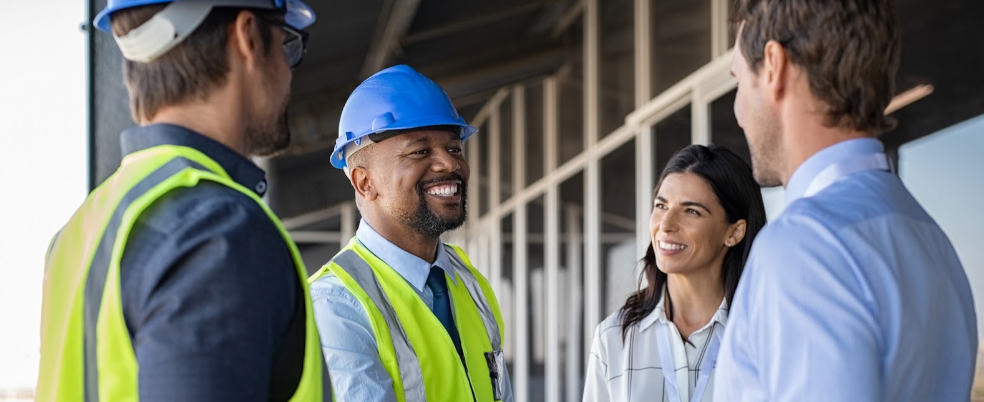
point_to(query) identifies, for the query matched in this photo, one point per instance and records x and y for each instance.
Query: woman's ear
(736, 233)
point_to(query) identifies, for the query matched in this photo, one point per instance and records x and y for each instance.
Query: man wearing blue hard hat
(403, 316)
(174, 281)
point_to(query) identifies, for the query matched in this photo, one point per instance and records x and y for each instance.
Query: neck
(695, 298)
(221, 116)
(805, 132)
(406, 239)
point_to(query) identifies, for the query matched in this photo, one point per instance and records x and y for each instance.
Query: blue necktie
(442, 305)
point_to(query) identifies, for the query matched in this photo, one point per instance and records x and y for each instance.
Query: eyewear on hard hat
(295, 42)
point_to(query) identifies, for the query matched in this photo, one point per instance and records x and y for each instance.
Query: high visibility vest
(413, 345)
(86, 353)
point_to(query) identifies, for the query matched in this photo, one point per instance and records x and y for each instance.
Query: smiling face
(420, 179)
(689, 227)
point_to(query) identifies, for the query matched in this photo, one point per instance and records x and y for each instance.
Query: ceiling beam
(478, 21)
(394, 21)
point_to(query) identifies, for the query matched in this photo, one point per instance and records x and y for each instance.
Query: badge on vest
(496, 366)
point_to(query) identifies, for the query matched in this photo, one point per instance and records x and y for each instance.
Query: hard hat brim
(298, 15)
(339, 162)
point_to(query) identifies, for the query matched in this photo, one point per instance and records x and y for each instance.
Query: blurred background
(579, 104)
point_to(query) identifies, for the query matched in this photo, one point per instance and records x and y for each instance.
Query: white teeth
(671, 247)
(443, 191)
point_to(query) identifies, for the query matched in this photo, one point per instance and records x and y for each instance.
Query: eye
(422, 151)
(454, 150)
(660, 205)
(693, 212)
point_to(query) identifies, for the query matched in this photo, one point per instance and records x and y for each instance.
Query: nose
(444, 161)
(666, 220)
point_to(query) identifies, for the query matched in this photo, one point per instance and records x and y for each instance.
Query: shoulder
(202, 205)
(608, 333)
(328, 292)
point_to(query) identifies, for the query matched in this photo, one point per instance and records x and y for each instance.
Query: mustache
(448, 177)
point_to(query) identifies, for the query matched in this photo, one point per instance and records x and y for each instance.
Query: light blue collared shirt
(852, 294)
(347, 339)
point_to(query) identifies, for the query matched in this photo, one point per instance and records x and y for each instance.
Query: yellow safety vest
(82, 282)
(413, 345)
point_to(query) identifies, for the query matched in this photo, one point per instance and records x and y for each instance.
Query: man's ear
(244, 38)
(775, 69)
(362, 184)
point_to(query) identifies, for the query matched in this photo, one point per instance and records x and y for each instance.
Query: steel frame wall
(484, 233)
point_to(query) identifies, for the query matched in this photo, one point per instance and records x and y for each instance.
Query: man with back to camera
(854, 293)
(405, 317)
(174, 281)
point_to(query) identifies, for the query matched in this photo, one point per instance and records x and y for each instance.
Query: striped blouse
(631, 371)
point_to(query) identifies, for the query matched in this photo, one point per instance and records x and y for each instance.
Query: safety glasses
(295, 42)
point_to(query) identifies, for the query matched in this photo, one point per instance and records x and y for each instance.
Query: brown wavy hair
(849, 50)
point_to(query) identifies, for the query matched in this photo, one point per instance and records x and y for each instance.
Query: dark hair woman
(707, 209)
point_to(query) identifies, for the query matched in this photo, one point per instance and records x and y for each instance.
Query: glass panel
(505, 149)
(617, 64)
(571, 93)
(732, 27)
(509, 311)
(534, 133)
(943, 172)
(536, 315)
(726, 132)
(618, 225)
(572, 342)
(724, 127)
(481, 140)
(681, 40)
(671, 134)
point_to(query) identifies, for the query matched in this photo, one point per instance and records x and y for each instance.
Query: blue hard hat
(397, 98)
(298, 14)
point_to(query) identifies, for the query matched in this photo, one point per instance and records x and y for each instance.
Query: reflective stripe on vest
(95, 281)
(478, 297)
(86, 350)
(359, 270)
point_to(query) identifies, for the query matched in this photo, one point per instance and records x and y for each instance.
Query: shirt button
(261, 187)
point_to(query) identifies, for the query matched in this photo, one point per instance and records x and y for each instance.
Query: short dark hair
(849, 50)
(190, 70)
(740, 196)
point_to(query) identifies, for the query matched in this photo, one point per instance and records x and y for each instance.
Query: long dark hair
(733, 184)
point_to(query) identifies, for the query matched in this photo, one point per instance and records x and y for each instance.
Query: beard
(766, 152)
(425, 222)
(269, 134)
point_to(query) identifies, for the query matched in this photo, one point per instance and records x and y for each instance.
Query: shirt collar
(659, 315)
(409, 266)
(812, 167)
(239, 168)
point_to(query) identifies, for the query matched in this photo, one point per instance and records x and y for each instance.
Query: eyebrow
(688, 204)
(421, 140)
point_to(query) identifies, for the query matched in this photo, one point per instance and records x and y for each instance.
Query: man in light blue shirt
(402, 316)
(854, 293)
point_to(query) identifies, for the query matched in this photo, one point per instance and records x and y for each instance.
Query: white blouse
(632, 371)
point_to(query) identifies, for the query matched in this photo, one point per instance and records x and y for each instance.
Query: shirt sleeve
(596, 380)
(349, 345)
(209, 295)
(808, 330)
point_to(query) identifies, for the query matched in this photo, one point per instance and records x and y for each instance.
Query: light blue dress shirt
(852, 294)
(347, 340)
